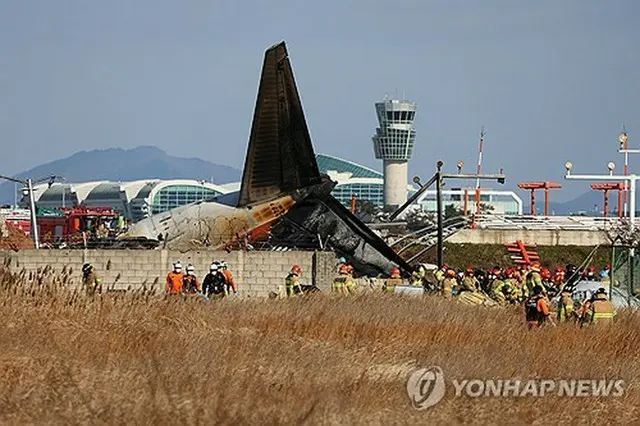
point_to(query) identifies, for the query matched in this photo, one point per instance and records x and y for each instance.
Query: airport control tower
(393, 143)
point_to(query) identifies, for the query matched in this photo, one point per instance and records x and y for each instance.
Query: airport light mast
(629, 180)
(623, 138)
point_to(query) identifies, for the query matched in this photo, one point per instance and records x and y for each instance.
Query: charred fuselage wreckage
(283, 199)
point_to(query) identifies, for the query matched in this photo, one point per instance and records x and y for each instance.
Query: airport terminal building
(140, 199)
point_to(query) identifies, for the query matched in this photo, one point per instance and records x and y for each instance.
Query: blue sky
(549, 79)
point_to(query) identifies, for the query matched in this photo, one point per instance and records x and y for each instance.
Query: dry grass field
(140, 359)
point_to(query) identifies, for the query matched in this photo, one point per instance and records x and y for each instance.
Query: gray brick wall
(257, 273)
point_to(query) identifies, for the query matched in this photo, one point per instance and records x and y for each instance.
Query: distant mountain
(116, 164)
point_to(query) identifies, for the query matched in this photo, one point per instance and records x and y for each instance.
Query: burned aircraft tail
(280, 157)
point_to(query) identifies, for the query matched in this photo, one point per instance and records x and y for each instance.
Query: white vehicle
(620, 297)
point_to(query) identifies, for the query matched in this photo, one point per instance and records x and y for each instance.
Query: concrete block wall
(546, 237)
(257, 273)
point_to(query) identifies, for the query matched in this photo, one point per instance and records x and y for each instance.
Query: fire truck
(78, 225)
(19, 218)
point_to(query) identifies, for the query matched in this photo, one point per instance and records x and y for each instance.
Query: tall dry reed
(138, 358)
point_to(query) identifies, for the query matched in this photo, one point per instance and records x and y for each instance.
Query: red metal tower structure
(532, 186)
(606, 187)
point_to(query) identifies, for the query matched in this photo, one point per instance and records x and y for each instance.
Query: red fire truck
(78, 225)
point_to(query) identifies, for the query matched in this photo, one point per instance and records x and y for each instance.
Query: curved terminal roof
(327, 163)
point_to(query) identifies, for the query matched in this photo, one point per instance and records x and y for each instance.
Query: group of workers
(218, 282)
(530, 285)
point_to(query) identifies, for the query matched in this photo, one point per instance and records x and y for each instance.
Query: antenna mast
(481, 148)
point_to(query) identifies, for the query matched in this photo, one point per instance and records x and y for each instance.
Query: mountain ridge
(122, 165)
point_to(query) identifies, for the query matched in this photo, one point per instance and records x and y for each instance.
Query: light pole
(623, 138)
(32, 207)
(438, 178)
(629, 180)
(28, 183)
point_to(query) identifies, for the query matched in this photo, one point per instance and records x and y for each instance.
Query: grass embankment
(137, 358)
(489, 255)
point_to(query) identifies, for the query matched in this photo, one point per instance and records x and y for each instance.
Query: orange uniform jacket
(229, 278)
(174, 282)
(543, 306)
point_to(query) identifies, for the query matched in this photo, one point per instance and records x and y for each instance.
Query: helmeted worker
(566, 310)
(343, 283)
(470, 282)
(292, 282)
(449, 284)
(229, 281)
(175, 280)
(390, 283)
(441, 274)
(558, 277)
(190, 281)
(537, 309)
(421, 275)
(601, 310)
(214, 283)
(533, 278)
(90, 280)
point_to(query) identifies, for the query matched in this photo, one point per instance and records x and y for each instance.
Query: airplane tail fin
(280, 157)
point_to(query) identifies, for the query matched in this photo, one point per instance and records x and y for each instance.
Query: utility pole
(439, 212)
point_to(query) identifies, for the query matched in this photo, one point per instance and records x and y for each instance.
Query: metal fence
(626, 269)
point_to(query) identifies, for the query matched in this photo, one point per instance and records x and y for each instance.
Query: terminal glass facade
(174, 196)
(372, 192)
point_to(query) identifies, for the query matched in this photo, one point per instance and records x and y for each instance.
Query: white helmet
(190, 269)
(177, 266)
(214, 267)
(223, 264)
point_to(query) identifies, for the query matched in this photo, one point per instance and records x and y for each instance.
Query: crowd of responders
(538, 289)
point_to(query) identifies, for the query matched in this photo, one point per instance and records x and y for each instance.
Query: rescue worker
(230, 282)
(292, 282)
(341, 261)
(605, 275)
(351, 283)
(601, 310)
(441, 274)
(90, 280)
(175, 280)
(391, 283)
(190, 284)
(589, 274)
(585, 311)
(537, 309)
(496, 282)
(566, 310)
(422, 275)
(470, 282)
(214, 283)
(449, 284)
(547, 283)
(558, 277)
(533, 278)
(415, 279)
(343, 283)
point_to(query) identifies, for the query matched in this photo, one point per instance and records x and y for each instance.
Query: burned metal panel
(280, 156)
(321, 221)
